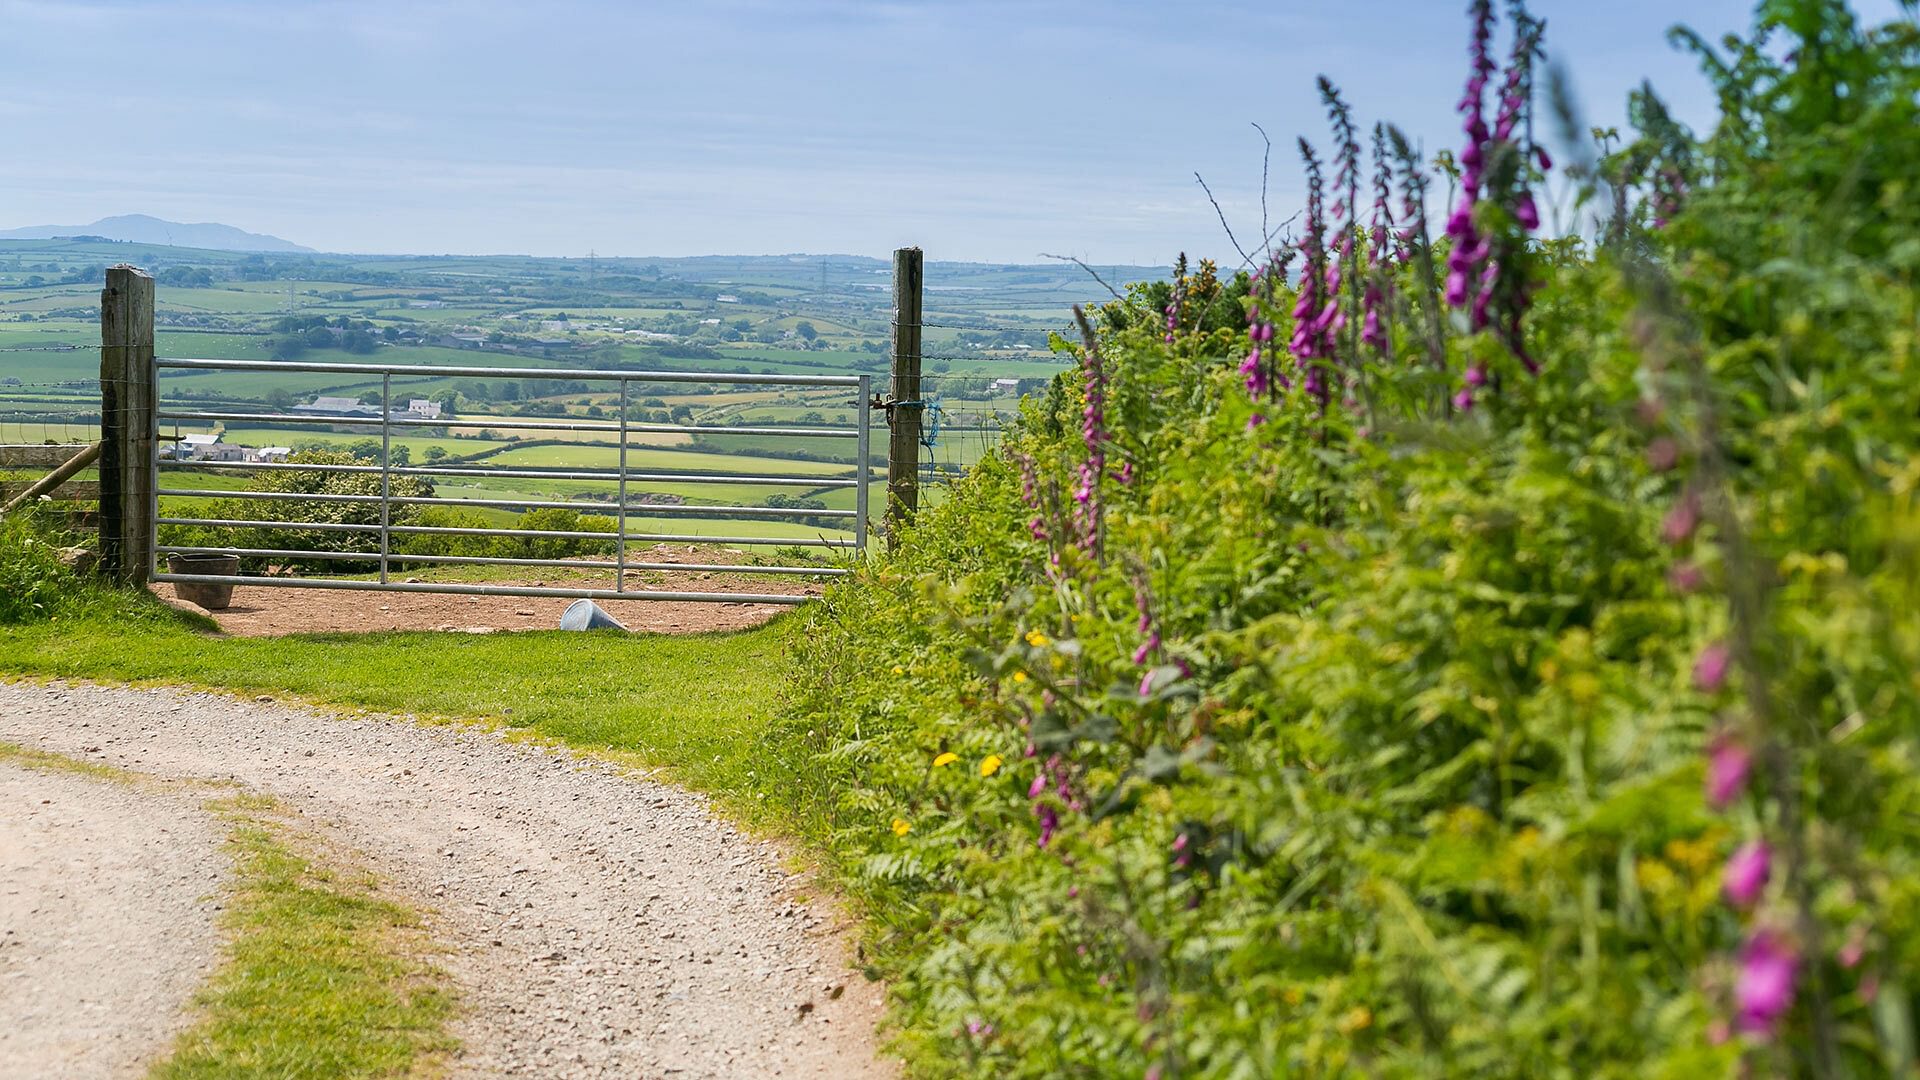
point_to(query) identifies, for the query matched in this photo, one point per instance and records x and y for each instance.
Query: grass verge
(323, 977)
(696, 705)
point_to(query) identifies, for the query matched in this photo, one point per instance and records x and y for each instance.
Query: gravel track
(108, 897)
(595, 924)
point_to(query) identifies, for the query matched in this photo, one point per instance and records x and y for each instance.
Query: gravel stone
(596, 924)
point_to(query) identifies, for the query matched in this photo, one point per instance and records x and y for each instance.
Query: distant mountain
(141, 229)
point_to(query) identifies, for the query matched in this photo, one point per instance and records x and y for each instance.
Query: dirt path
(265, 612)
(107, 904)
(258, 611)
(597, 925)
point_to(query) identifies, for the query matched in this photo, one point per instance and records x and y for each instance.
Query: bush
(33, 580)
(1334, 729)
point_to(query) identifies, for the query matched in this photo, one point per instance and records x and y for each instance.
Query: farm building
(337, 406)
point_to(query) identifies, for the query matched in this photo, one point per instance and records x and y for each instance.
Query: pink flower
(1682, 520)
(1764, 990)
(1146, 683)
(1747, 872)
(1854, 949)
(1710, 670)
(1686, 577)
(1663, 454)
(1727, 766)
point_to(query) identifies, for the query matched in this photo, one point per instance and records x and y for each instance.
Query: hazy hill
(142, 229)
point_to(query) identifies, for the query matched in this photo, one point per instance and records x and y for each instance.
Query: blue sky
(978, 130)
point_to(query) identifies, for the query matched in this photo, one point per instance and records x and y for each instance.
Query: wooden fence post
(903, 445)
(129, 403)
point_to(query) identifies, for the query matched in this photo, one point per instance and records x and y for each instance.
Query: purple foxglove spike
(1476, 375)
(1463, 400)
(1747, 873)
(1764, 990)
(1710, 670)
(1681, 520)
(1728, 765)
(1370, 331)
(1526, 213)
(1686, 577)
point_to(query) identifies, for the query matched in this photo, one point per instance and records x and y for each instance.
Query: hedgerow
(1481, 654)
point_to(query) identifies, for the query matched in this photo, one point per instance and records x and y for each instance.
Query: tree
(447, 399)
(357, 341)
(291, 347)
(319, 338)
(280, 399)
(805, 329)
(390, 334)
(435, 453)
(681, 413)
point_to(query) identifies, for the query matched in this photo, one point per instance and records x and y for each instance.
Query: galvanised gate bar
(621, 479)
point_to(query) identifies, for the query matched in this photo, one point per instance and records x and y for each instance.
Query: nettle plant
(1437, 651)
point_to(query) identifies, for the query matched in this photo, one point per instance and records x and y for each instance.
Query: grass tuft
(324, 978)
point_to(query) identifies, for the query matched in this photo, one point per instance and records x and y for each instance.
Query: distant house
(337, 406)
(421, 407)
(207, 448)
(1006, 386)
(726, 298)
(270, 453)
(554, 343)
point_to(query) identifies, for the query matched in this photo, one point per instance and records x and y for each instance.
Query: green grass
(594, 456)
(695, 704)
(322, 977)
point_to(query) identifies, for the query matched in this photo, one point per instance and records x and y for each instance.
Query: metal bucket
(204, 594)
(586, 615)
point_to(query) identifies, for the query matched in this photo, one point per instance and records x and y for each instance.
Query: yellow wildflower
(1019, 676)
(901, 827)
(990, 764)
(1292, 995)
(947, 758)
(1036, 639)
(1357, 1018)
(898, 670)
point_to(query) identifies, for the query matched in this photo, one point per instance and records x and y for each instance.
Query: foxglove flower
(1710, 670)
(1763, 992)
(1681, 520)
(1728, 764)
(1093, 433)
(1747, 872)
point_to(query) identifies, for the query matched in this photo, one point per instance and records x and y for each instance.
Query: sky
(979, 130)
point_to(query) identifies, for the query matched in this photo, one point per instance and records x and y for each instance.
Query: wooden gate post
(129, 425)
(904, 416)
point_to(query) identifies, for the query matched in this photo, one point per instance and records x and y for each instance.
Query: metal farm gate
(132, 389)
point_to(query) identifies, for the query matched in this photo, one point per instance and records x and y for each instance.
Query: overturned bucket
(587, 615)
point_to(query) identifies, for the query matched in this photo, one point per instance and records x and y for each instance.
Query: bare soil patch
(266, 611)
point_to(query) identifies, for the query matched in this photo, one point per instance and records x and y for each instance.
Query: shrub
(1298, 698)
(33, 580)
